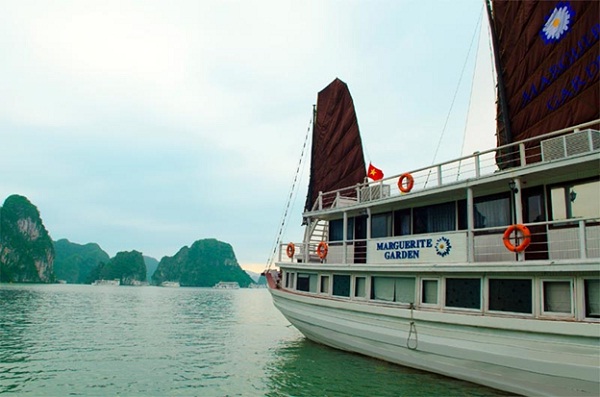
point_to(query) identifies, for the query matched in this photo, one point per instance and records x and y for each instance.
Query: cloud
(149, 124)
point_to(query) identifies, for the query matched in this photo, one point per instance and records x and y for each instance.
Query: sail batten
(337, 158)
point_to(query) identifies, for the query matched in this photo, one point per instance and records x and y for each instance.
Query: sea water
(82, 340)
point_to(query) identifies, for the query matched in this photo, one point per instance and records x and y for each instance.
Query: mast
(504, 134)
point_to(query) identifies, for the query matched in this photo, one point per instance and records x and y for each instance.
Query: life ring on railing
(322, 249)
(526, 238)
(290, 250)
(410, 181)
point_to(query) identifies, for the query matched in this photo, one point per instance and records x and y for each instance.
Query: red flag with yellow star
(374, 173)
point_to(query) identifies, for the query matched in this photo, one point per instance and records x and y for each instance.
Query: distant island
(204, 264)
(28, 255)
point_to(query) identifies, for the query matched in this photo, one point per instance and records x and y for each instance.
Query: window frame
(547, 313)
(422, 280)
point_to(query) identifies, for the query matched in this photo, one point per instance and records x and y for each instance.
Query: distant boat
(227, 285)
(116, 282)
(483, 268)
(171, 284)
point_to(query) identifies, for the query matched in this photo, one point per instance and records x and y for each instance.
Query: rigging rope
(455, 94)
(290, 199)
(464, 140)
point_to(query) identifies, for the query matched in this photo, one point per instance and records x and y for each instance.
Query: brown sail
(337, 158)
(549, 62)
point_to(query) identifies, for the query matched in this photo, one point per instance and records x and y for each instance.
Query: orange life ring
(322, 249)
(291, 248)
(410, 181)
(526, 238)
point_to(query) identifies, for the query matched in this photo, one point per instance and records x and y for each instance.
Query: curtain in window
(383, 288)
(360, 289)
(557, 296)
(430, 291)
(312, 283)
(405, 289)
(492, 213)
(592, 298)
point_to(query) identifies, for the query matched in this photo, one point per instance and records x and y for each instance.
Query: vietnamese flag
(374, 173)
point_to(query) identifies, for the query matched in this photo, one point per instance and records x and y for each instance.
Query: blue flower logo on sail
(442, 246)
(558, 23)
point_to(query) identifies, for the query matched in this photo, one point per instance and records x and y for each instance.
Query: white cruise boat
(170, 284)
(485, 268)
(115, 283)
(227, 285)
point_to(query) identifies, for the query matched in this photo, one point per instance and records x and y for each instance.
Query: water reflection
(304, 368)
(58, 340)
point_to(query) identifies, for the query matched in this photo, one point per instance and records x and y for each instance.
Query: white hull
(515, 355)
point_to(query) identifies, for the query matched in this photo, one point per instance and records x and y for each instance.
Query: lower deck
(570, 297)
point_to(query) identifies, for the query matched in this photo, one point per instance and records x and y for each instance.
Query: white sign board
(432, 248)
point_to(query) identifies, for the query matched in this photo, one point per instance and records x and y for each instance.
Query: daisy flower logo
(442, 246)
(558, 23)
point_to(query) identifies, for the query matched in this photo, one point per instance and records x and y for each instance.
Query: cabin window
(381, 225)
(492, 211)
(289, 280)
(393, 289)
(463, 293)
(592, 298)
(575, 201)
(461, 207)
(434, 218)
(325, 284)
(341, 285)
(510, 295)
(557, 296)
(429, 292)
(360, 287)
(336, 230)
(306, 282)
(402, 222)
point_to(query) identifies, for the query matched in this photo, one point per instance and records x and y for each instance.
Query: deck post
(470, 226)
(518, 211)
(582, 240)
(522, 154)
(345, 239)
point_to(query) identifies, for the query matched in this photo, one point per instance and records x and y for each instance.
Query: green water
(59, 340)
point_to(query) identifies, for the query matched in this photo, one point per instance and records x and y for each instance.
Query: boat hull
(528, 362)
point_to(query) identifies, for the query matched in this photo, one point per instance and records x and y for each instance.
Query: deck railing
(572, 239)
(478, 164)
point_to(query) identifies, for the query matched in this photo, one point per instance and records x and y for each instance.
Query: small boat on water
(170, 284)
(227, 285)
(485, 268)
(115, 283)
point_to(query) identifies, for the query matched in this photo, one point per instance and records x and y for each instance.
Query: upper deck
(457, 211)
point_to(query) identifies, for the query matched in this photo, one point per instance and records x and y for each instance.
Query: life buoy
(526, 238)
(322, 249)
(291, 248)
(410, 181)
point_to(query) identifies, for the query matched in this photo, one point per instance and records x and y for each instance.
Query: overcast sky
(148, 125)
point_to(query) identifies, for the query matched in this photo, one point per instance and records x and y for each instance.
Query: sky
(147, 125)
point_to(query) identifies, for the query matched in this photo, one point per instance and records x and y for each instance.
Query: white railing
(478, 164)
(573, 239)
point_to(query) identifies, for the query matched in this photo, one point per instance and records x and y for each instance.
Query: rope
(412, 330)
(290, 199)
(454, 97)
(462, 149)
